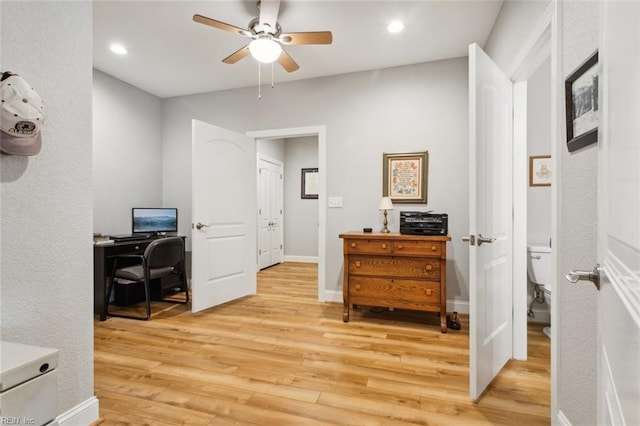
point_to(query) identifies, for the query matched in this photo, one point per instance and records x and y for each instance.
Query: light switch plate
(335, 202)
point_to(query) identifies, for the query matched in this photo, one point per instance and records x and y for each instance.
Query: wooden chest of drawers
(395, 271)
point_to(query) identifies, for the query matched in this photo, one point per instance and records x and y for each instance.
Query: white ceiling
(170, 55)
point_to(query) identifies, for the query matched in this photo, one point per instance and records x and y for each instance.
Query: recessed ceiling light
(118, 49)
(395, 27)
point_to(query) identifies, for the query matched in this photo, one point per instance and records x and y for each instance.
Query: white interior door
(270, 206)
(490, 220)
(619, 215)
(224, 220)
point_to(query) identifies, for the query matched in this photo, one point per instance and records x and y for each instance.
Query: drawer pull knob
(358, 264)
(358, 286)
(399, 246)
(429, 267)
(434, 248)
(384, 246)
(428, 292)
(353, 245)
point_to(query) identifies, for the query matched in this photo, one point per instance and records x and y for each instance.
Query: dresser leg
(345, 313)
(443, 323)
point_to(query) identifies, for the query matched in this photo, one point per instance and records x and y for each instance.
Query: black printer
(424, 223)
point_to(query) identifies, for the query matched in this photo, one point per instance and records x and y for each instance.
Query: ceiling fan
(267, 37)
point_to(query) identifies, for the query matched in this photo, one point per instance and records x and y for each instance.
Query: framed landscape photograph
(581, 98)
(309, 184)
(404, 176)
(540, 170)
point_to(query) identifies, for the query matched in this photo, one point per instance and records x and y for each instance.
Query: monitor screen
(154, 220)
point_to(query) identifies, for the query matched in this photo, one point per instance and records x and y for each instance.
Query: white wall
(539, 143)
(274, 148)
(300, 215)
(127, 154)
(577, 239)
(410, 108)
(46, 209)
(516, 20)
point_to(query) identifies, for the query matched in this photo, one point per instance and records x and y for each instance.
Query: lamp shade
(385, 204)
(265, 50)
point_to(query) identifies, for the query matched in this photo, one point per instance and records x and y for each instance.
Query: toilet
(539, 271)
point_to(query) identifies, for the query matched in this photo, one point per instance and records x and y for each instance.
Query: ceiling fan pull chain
(272, 83)
(259, 82)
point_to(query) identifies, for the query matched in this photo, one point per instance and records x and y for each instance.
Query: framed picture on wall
(309, 184)
(404, 176)
(540, 170)
(581, 99)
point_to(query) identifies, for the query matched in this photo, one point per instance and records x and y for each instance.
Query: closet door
(270, 212)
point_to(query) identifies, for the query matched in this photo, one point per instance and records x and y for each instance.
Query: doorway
(318, 132)
(538, 192)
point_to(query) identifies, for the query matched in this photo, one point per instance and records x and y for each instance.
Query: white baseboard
(82, 414)
(333, 296)
(563, 420)
(542, 316)
(459, 306)
(301, 259)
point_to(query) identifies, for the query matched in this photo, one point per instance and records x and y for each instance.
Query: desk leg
(99, 281)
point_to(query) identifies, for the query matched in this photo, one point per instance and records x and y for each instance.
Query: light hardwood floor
(282, 358)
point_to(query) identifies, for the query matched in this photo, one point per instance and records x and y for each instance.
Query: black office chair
(162, 257)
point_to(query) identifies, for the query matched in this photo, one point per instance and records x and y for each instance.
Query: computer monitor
(154, 220)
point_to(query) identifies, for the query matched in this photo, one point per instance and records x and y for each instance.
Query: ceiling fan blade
(317, 37)
(237, 55)
(287, 62)
(269, 12)
(220, 25)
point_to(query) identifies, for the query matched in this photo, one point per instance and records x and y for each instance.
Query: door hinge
(280, 246)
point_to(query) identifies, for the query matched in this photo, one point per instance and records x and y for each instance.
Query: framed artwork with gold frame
(540, 170)
(404, 176)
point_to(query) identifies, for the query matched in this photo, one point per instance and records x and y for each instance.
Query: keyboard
(129, 237)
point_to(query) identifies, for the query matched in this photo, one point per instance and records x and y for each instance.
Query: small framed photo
(540, 170)
(404, 176)
(581, 99)
(309, 184)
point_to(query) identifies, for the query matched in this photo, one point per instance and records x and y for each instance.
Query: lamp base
(385, 230)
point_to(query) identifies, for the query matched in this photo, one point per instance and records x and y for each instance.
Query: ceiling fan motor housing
(258, 30)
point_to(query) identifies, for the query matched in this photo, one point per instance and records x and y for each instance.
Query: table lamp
(385, 204)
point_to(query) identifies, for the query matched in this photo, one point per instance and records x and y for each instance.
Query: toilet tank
(539, 265)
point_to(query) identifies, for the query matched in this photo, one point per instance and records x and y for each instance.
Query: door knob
(201, 225)
(482, 239)
(577, 275)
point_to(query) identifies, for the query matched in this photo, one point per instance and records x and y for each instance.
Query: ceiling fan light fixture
(395, 27)
(265, 50)
(118, 49)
